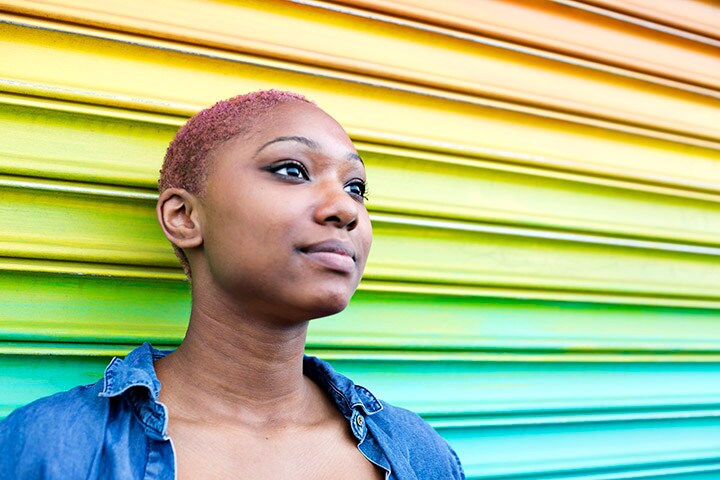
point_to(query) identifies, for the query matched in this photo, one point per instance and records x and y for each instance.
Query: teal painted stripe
(454, 394)
(579, 449)
(489, 451)
(669, 471)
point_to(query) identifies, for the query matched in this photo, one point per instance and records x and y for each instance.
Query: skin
(257, 242)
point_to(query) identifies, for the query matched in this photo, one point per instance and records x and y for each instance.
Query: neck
(234, 367)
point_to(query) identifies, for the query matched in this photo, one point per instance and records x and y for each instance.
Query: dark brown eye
(291, 169)
(356, 188)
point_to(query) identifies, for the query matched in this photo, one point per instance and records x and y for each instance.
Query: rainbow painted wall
(545, 191)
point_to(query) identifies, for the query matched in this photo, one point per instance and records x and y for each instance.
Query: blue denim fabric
(116, 429)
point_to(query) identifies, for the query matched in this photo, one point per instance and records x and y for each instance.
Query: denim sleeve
(56, 437)
(18, 454)
(412, 445)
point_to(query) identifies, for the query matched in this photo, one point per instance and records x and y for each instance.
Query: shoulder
(67, 426)
(409, 442)
(427, 452)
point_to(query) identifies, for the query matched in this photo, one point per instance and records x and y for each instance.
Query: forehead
(293, 119)
(297, 118)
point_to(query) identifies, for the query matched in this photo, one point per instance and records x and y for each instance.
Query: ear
(178, 215)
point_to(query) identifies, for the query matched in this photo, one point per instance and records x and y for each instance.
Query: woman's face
(285, 229)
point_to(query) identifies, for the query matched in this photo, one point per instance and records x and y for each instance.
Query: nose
(336, 207)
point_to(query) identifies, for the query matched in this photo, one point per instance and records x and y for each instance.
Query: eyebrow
(307, 142)
(304, 140)
(355, 156)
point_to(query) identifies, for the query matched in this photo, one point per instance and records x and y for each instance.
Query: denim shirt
(117, 429)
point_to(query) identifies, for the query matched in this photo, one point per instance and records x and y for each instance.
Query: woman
(262, 197)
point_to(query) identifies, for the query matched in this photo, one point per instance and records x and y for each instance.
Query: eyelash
(291, 163)
(363, 189)
(306, 176)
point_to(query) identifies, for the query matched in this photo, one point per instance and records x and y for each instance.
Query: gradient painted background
(544, 286)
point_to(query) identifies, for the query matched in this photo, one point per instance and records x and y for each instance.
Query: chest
(318, 454)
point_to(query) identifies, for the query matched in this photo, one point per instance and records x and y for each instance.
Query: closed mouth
(332, 255)
(330, 246)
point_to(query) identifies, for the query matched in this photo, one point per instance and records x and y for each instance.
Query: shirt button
(359, 420)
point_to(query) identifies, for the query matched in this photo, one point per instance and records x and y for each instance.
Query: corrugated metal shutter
(545, 184)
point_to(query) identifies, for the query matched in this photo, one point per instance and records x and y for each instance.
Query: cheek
(367, 230)
(365, 236)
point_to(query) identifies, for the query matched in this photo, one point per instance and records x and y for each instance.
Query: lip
(331, 254)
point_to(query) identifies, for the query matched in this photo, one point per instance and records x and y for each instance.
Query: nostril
(352, 225)
(333, 219)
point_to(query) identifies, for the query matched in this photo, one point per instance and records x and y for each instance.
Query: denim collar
(137, 370)
(347, 395)
(134, 378)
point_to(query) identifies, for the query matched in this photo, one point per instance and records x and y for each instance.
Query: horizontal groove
(470, 419)
(376, 322)
(641, 277)
(447, 197)
(530, 294)
(610, 9)
(29, 265)
(693, 234)
(594, 159)
(506, 161)
(467, 189)
(46, 265)
(593, 443)
(109, 19)
(160, 107)
(494, 353)
(454, 225)
(475, 36)
(653, 471)
(98, 109)
(79, 349)
(621, 71)
(514, 163)
(401, 388)
(60, 186)
(549, 29)
(405, 248)
(635, 124)
(550, 163)
(443, 223)
(390, 355)
(590, 466)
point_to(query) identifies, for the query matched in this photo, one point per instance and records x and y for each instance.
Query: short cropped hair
(187, 158)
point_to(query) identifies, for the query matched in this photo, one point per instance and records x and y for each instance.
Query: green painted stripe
(81, 308)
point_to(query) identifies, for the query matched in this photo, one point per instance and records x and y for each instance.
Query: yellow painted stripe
(697, 16)
(415, 120)
(579, 35)
(342, 42)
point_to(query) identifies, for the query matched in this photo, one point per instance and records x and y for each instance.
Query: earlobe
(178, 216)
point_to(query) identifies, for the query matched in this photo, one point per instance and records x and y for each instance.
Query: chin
(330, 302)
